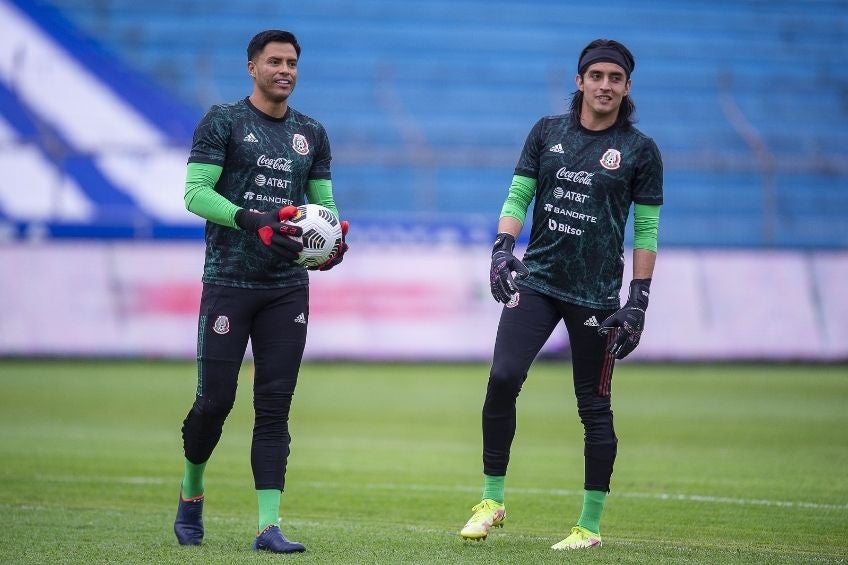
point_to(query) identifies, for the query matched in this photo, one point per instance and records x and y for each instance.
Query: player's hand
(273, 231)
(504, 263)
(337, 258)
(628, 322)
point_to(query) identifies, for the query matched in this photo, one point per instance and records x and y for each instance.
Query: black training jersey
(267, 163)
(586, 182)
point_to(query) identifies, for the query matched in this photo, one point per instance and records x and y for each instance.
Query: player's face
(604, 86)
(274, 71)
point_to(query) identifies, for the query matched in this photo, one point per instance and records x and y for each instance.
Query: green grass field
(717, 464)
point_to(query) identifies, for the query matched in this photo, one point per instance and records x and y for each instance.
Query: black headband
(605, 55)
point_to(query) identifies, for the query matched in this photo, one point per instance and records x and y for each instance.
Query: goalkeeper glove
(273, 231)
(504, 263)
(627, 323)
(337, 258)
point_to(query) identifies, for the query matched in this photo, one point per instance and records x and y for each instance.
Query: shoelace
(484, 506)
(482, 511)
(584, 535)
(268, 527)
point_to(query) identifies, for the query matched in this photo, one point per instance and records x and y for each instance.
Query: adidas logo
(301, 319)
(593, 321)
(556, 148)
(250, 138)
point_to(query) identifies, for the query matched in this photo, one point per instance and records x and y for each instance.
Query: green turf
(717, 464)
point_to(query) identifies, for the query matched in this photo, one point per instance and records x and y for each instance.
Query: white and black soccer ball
(322, 234)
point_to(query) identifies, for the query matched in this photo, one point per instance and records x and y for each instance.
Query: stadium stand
(428, 103)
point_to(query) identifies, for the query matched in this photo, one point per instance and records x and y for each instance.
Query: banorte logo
(249, 195)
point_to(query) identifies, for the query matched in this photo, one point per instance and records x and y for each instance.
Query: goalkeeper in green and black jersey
(251, 163)
(584, 169)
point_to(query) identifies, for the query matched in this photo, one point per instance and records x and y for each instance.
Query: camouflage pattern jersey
(267, 163)
(586, 182)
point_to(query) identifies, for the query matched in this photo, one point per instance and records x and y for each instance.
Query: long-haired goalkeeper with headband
(584, 170)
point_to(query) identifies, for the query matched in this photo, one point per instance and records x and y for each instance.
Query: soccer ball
(322, 234)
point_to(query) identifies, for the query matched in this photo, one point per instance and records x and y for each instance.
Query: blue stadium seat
(462, 81)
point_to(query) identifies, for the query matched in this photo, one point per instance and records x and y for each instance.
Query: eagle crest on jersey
(611, 159)
(300, 144)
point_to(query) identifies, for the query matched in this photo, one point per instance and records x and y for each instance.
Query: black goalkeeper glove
(273, 231)
(504, 263)
(628, 322)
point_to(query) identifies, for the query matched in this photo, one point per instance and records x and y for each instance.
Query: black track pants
(275, 320)
(522, 332)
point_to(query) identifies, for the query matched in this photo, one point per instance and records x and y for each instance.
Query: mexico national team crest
(300, 144)
(221, 325)
(611, 159)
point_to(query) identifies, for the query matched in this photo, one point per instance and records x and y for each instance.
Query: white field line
(397, 487)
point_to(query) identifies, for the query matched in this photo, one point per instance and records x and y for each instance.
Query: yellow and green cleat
(487, 515)
(580, 538)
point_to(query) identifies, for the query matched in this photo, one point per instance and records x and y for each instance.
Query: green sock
(193, 479)
(493, 487)
(593, 507)
(269, 507)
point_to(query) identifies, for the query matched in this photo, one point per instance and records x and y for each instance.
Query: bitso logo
(221, 325)
(300, 144)
(554, 225)
(260, 180)
(611, 159)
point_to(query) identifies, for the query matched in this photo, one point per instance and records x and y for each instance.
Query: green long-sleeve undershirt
(646, 218)
(201, 198)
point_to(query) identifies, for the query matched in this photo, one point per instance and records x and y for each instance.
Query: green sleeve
(320, 191)
(521, 193)
(200, 196)
(646, 223)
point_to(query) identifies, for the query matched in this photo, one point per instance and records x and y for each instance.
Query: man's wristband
(247, 220)
(640, 291)
(504, 242)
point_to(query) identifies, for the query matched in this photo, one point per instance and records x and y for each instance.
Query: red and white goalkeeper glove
(337, 258)
(273, 231)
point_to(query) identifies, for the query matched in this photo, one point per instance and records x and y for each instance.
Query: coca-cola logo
(579, 177)
(278, 164)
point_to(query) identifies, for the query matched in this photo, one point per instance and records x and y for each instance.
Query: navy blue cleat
(189, 523)
(272, 539)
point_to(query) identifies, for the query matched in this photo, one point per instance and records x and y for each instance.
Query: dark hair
(627, 110)
(263, 38)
